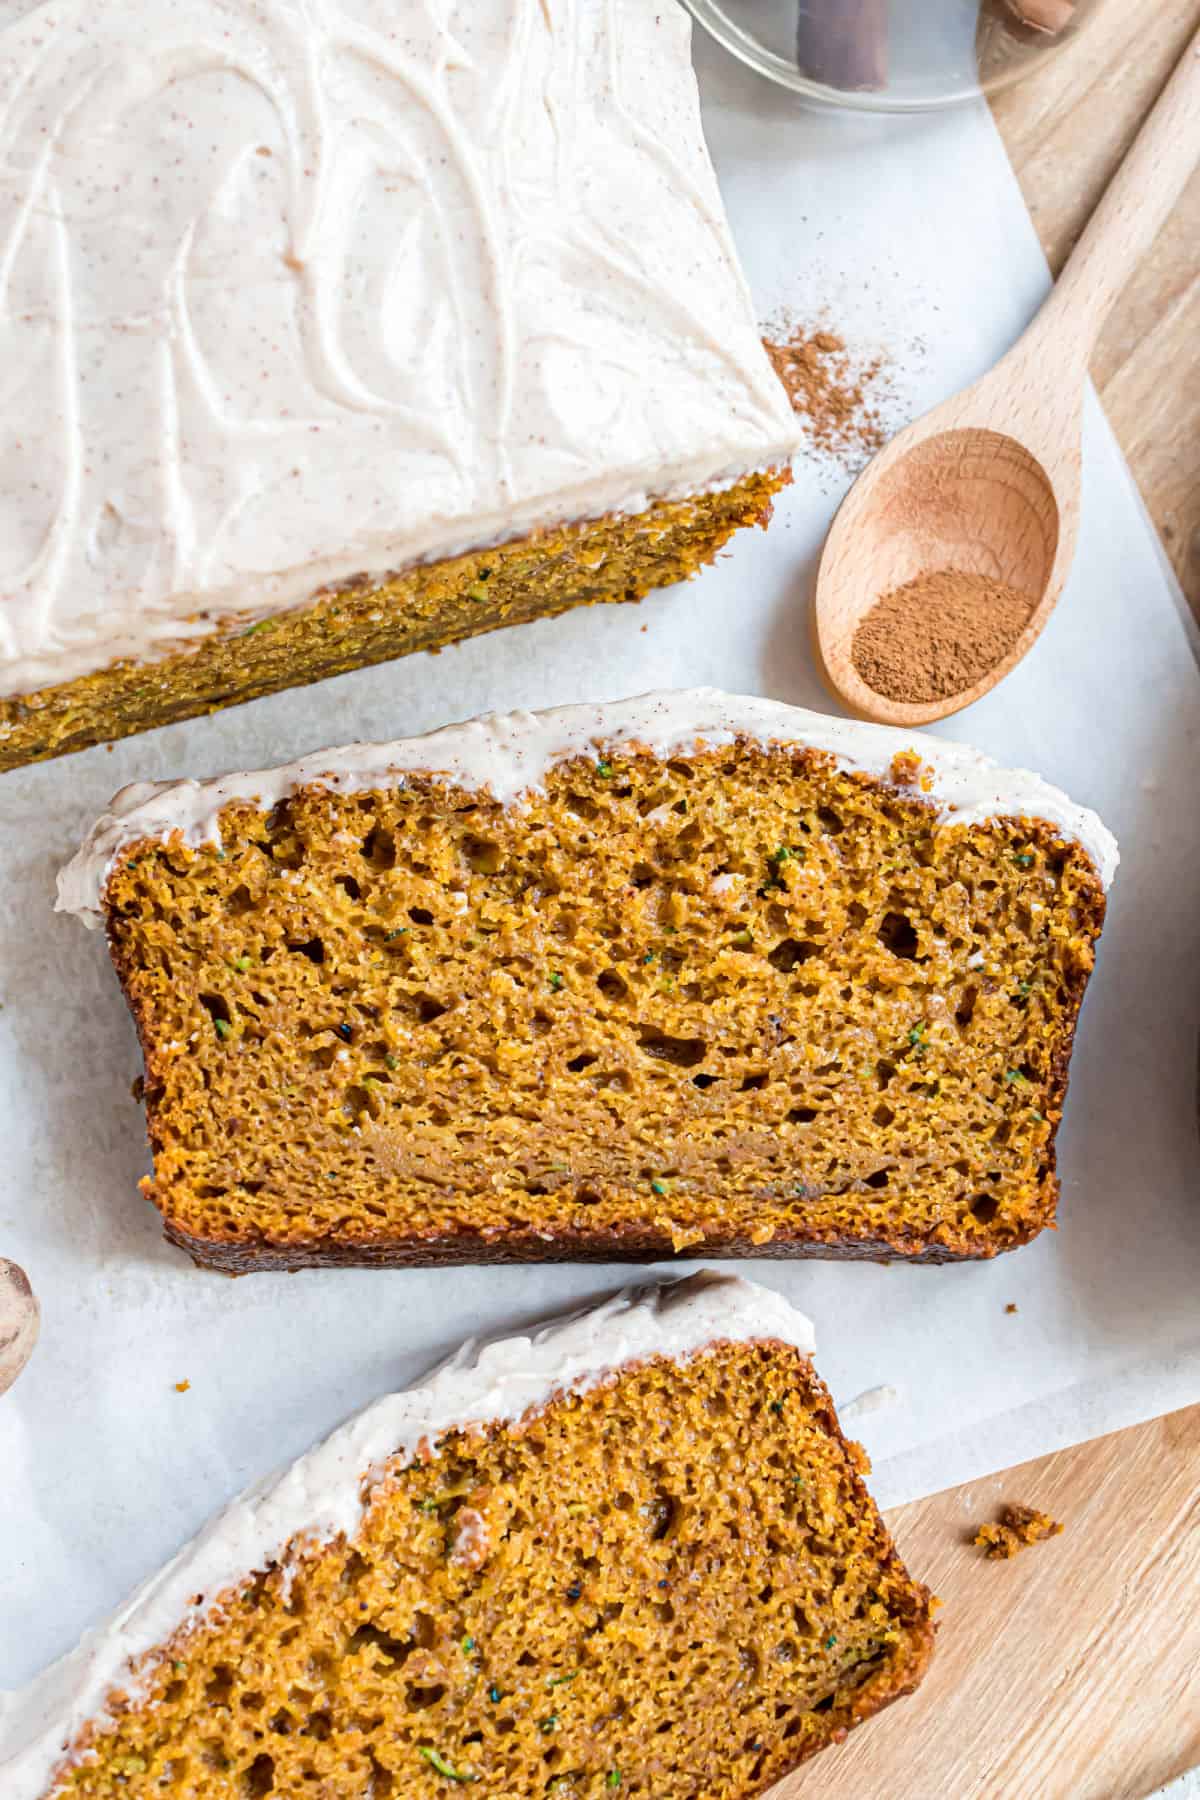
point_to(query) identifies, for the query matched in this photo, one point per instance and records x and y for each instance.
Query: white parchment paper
(913, 239)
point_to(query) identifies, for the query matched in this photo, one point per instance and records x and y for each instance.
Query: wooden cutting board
(1071, 1672)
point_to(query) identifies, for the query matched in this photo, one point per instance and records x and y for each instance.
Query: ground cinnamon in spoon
(938, 634)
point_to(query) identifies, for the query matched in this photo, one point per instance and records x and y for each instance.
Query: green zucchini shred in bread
(667, 1581)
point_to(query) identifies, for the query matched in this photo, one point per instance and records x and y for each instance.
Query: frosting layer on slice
(509, 754)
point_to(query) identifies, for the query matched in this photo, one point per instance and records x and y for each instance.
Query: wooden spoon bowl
(989, 482)
(974, 495)
(970, 499)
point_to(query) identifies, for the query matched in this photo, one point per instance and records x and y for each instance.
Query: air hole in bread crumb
(483, 855)
(219, 1685)
(314, 949)
(685, 1053)
(383, 1785)
(379, 848)
(897, 934)
(792, 953)
(419, 1699)
(662, 1513)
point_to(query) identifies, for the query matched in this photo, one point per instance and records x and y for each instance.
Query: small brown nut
(20, 1316)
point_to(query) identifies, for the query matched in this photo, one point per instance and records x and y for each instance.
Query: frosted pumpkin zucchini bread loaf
(632, 1555)
(606, 981)
(339, 332)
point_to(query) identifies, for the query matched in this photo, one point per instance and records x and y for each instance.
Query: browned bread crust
(468, 1248)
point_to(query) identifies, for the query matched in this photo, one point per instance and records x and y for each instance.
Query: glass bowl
(893, 55)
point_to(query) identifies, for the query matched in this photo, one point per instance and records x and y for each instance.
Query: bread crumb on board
(1018, 1527)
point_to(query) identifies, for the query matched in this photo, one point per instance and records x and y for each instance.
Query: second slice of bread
(688, 972)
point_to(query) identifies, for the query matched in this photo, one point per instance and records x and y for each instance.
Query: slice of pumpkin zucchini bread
(632, 1555)
(608, 981)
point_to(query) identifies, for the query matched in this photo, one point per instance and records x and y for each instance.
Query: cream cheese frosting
(508, 755)
(298, 291)
(322, 1495)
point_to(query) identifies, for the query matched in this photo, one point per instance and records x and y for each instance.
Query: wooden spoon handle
(1131, 212)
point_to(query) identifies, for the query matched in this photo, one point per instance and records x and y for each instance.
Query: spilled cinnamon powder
(938, 634)
(830, 392)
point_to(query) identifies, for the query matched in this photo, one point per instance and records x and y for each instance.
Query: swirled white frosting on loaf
(299, 291)
(322, 1494)
(508, 755)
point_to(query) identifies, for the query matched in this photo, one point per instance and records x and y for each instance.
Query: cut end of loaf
(612, 560)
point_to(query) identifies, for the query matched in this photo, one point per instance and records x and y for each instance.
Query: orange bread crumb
(1018, 1527)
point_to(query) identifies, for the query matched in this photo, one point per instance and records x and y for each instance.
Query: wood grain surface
(1066, 128)
(1071, 1672)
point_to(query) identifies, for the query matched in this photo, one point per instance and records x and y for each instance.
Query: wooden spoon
(990, 481)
